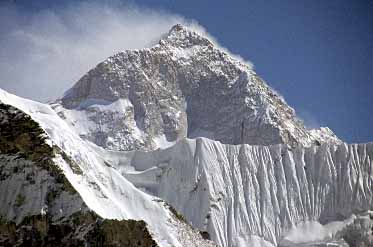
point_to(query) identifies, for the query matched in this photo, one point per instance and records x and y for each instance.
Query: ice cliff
(240, 192)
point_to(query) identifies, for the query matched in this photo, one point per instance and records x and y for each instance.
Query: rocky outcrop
(360, 232)
(38, 205)
(81, 229)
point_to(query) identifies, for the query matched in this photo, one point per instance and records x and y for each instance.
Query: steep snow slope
(29, 182)
(185, 86)
(239, 193)
(38, 205)
(103, 188)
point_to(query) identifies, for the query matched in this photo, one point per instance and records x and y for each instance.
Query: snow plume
(309, 120)
(44, 52)
(193, 25)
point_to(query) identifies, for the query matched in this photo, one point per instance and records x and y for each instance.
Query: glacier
(236, 192)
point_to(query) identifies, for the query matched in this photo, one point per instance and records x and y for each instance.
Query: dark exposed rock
(62, 218)
(205, 234)
(359, 233)
(81, 229)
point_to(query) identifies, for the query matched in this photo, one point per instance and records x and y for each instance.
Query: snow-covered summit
(185, 86)
(182, 37)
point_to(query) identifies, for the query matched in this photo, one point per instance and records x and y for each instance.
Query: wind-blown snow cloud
(309, 120)
(42, 54)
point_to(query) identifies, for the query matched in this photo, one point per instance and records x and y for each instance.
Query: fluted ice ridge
(238, 193)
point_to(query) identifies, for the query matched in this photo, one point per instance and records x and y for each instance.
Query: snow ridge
(103, 188)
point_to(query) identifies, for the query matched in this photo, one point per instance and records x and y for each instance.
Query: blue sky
(317, 54)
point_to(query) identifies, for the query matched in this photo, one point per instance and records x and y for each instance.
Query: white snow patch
(162, 142)
(312, 231)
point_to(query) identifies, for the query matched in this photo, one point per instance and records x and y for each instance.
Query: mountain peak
(183, 37)
(177, 28)
(183, 87)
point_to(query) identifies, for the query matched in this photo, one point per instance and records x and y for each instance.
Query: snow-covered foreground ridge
(102, 188)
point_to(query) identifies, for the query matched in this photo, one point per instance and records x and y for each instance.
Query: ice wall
(239, 193)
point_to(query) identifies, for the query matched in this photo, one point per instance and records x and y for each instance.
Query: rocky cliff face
(184, 86)
(39, 206)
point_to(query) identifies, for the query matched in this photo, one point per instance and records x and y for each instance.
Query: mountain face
(182, 87)
(171, 146)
